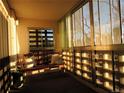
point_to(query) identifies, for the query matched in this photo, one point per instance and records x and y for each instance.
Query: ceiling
(41, 9)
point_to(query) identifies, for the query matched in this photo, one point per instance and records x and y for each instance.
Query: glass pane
(32, 30)
(78, 28)
(49, 34)
(86, 21)
(104, 7)
(116, 34)
(50, 39)
(81, 28)
(50, 31)
(97, 34)
(73, 23)
(43, 30)
(39, 30)
(68, 29)
(122, 18)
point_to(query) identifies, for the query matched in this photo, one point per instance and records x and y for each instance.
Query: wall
(23, 35)
(62, 33)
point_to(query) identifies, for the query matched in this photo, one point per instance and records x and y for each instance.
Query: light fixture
(30, 65)
(121, 58)
(107, 57)
(85, 61)
(78, 72)
(78, 54)
(78, 66)
(122, 69)
(42, 70)
(64, 53)
(17, 22)
(84, 55)
(35, 72)
(122, 80)
(106, 66)
(78, 60)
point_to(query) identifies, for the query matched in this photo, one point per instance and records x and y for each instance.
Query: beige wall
(23, 36)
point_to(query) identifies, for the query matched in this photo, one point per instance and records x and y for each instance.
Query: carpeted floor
(55, 82)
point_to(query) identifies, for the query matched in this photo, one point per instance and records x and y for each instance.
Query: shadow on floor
(55, 82)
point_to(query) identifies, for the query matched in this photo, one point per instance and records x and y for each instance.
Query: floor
(55, 82)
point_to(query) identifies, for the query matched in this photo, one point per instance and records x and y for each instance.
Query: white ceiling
(41, 9)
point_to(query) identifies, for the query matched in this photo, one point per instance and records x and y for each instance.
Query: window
(41, 38)
(122, 18)
(106, 22)
(81, 26)
(86, 23)
(97, 34)
(104, 9)
(74, 34)
(115, 20)
(77, 28)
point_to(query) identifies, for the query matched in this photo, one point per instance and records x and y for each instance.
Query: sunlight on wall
(12, 34)
(13, 37)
